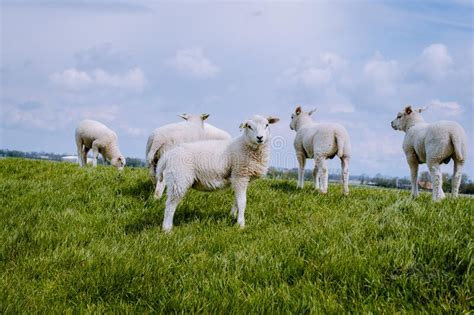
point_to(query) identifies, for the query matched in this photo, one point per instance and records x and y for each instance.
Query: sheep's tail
(160, 167)
(457, 145)
(340, 145)
(149, 144)
(160, 185)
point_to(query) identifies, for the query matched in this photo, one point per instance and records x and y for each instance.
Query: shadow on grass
(289, 187)
(182, 216)
(143, 187)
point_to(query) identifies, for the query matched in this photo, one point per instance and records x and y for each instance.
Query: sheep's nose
(259, 138)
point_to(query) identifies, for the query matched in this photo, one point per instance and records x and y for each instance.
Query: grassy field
(90, 240)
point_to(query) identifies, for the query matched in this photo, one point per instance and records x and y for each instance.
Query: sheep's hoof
(241, 226)
(167, 229)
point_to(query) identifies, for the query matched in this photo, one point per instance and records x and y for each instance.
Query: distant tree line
(32, 155)
(467, 185)
(131, 162)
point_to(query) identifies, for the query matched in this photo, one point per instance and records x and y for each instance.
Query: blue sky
(135, 65)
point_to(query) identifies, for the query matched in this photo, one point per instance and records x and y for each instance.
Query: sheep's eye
(399, 116)
(266, 126)
(248, 126)
(292, 116)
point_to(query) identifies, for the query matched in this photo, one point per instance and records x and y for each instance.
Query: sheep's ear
(312, 111)
(272, 120)
(243, 125)
(408, 110)
(298, 110)
(419, 110)
(204, 116)
(184, 116)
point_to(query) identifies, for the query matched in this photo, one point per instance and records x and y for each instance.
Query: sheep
(167, 136)
(91, 134)
(320, 141)
(434, 144)
(213, 164)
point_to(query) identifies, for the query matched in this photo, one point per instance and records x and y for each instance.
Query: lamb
(320, 141)
(167, 136)
(213, 164)
(434, 144)
(91, 134)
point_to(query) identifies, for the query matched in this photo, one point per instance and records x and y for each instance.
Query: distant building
(69, 158)
(73, 159)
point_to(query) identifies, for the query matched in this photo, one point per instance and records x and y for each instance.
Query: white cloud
(133, 131)
(337, 103)
(314, 77)
(341, 108)
(434, 62)
(71, 79)
(52, 118)
(313, 73)
(453, 108)
(382, 74)
(193, 63)
(74, 79)
(332, 60)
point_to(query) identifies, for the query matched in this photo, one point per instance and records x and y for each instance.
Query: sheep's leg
(240, 189)
(171, 204)
(301, 162)
(160, 187)
(233, 211)
(316, 177)
(177, 188)
(95, 153)
(84, 155)
(414, 178)
(345, 175)
(437, 178)
(322, 173)
(79, 152)
(457, 175)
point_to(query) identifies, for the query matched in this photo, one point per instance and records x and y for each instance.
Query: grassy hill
(90, 240)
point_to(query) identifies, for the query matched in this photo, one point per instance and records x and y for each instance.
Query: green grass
(90, 240)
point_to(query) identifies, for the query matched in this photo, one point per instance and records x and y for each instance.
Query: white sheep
(320, 141)
(431, 143)
(213, 164)
(167, 136)
(91, 134)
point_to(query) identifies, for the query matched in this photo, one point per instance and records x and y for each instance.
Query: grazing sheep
(167, 136)
(433, 144)
(91, 134)
(320, 141)
(213, 164)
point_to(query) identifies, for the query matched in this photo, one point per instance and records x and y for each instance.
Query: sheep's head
(299, 116)
(407, 118)
(119, 162)
(194, 117)
(256, 130)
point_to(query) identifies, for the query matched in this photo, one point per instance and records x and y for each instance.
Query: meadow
(90, 240)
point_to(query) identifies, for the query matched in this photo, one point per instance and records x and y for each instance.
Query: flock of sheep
(195, 154)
